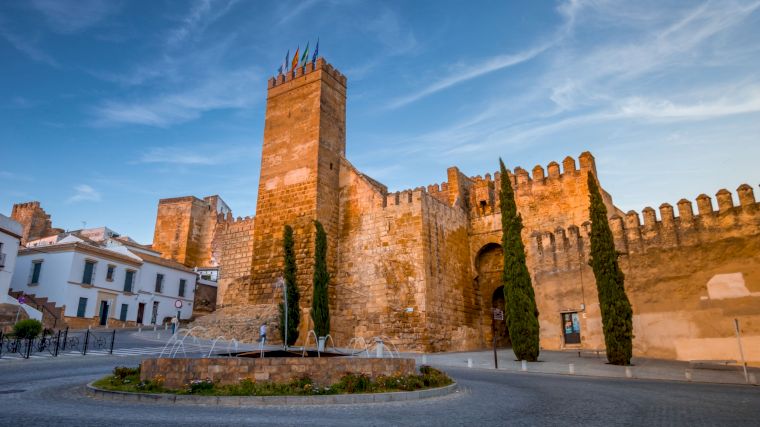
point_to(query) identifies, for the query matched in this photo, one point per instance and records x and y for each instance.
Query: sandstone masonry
(422, 267)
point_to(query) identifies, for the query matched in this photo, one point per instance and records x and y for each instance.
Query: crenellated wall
(35, 222)
(687, 276)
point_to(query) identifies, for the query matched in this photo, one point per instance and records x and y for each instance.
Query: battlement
(319, 64)
(633, 235)
(27, 205)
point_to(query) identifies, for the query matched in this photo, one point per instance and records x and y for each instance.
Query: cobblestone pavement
(50, 392)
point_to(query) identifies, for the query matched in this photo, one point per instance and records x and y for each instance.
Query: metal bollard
(524, 366)
(469, 362)
(688, 375)
(571, 368)
(628, 372)
(752, 379)
(424, 359)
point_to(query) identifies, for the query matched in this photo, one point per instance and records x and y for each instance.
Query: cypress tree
(616, 309)
(320, 312)
(521, 311)
(289, 274)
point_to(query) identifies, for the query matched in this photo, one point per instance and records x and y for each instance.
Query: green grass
(128, 380)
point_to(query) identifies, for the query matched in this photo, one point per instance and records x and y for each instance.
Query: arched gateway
(489, 266)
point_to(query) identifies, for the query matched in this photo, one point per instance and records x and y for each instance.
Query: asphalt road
(50, 392)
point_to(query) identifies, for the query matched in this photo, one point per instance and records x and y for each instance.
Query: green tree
(320, 312)
(289, 274)
(27, 328)
(521, 311)
(616, 310)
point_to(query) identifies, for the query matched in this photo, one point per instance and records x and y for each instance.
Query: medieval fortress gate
(422, 267)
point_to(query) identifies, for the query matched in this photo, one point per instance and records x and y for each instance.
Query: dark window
(89, 269)
(159, 282)
(182, 287)
(109, 272)
(129, 279)
(36, 268)
(123, 315)
(82, 307)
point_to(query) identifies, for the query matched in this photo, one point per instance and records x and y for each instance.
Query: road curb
(245, 401)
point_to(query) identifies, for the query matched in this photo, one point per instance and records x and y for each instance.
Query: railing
(56, 343)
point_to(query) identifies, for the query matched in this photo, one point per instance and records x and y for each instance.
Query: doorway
(501, 332)
(103, 313)
(140, 312)
(154, 315)
(571, 328)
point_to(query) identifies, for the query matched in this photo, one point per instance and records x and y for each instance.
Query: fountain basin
(323, 371)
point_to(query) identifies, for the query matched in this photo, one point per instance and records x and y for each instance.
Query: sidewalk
(559, 362)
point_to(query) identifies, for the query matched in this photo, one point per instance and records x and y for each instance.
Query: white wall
(10, 249)
(169, 294)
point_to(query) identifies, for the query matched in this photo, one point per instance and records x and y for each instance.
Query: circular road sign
(178, 304)
(21, 299)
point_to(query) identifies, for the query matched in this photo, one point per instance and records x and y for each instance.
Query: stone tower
(34, 220)
(304, 141)
(187, 227)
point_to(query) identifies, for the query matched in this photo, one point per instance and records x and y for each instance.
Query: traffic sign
(498, 314)
(178, 304)
(21, 299)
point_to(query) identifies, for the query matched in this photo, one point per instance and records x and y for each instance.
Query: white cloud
(232, 90)
(83, 193)
(73, 16)
(27, 46)
(204, 155)
(202, 14)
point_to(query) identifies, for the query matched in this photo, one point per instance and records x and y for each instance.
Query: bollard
(752, 379)
(571, 368)
(469, 362)
(154, 327)
(688, 375)
(628, 372)
(158, 335)
(139, 329)
(524, 366)
(424, 359)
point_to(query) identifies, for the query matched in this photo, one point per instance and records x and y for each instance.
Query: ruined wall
(186, 229)
(236, 240)
(687, 278)
(35, 222)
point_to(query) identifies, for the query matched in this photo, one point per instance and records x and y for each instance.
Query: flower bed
(128, 380)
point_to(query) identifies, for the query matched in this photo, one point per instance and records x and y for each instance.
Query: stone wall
(35, 222)
(186, 230)
(236, 239)
(323, 371)
(688, 278)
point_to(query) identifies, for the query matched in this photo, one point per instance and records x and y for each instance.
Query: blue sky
(108, 106)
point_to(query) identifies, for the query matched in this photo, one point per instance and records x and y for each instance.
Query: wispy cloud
(199, 155)
(74, 16)
(84, 193)
(231, 90)
(28, 45)
(202, 14)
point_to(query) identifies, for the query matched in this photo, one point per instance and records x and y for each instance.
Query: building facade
(422, 267)
(101, 279)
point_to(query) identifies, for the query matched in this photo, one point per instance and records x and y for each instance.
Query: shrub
(200, 386)
(521, 311)
(617, 314)
(354, 383)
(432, 377)
(122, 372)
(320, 311)
(27, 328)
(154, 385)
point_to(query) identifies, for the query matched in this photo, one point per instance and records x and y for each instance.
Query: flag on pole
(316, 52)
(295, 59)
(305, 55)
(285, 64)
(279, 70)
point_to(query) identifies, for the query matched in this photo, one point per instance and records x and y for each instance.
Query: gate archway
(489, 265)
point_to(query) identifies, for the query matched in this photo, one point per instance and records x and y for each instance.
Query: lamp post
(280, 282)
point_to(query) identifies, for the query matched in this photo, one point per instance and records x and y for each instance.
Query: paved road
(50, 392)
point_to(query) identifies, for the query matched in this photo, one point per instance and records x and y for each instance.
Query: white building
(104, 279)
(10, 236)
